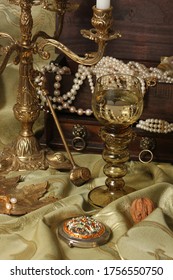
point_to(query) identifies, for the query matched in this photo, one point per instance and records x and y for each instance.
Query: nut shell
(141, 208)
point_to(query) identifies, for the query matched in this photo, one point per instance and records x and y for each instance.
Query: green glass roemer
(117, 103)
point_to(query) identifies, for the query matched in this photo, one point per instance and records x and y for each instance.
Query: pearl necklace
(147, 76)
(64, 101)
(107, 65)
(155, 125)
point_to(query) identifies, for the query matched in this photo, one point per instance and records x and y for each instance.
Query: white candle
(103, 4)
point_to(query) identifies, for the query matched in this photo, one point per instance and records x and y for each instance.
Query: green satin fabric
(32, 236)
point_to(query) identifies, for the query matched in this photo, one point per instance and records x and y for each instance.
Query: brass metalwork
(25, 152)
(102, 21)
(79, 132)
(147, 145)
(27, 198)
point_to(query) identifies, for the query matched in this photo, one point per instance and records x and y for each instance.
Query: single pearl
(76, 87)
(77, 75)
(65, 105)
(13, 200)
(75, 81)
(8, 206)
(59, 107)
(54, 99)
(69, 102)
(48, 67)
(72, 109)
(88, 112)
(58, 78)
(65, 97)
(74, 91)
(54, 68)
(57, 85)
(80, 111)
(69, 94)
(72, 97)
(57, 92)
(60, 99)
(61, 71)
(80, 82)
(37, 79)
(65, 69)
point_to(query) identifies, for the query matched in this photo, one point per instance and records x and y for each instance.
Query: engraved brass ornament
(19, 201)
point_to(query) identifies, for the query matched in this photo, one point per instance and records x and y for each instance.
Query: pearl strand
(110, 65)
(155, 125)
(65, 101)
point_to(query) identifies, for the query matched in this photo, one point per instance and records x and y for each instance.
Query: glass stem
(115, 154)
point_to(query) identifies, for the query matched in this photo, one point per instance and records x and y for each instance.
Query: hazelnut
(141, 208)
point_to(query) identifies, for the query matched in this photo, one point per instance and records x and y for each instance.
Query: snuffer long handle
(59, 129)
(78, 175)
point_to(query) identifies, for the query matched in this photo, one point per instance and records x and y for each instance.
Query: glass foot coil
(101, 196)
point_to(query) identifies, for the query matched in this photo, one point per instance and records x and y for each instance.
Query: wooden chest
(146, 28)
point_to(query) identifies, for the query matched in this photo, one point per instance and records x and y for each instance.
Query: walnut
(141, 208)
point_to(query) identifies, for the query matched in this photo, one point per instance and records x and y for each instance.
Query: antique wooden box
(147, 35)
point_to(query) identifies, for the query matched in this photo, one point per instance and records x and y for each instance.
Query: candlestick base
(101, 196)
(12, 160)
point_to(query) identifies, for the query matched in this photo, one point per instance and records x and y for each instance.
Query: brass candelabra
(25, 152)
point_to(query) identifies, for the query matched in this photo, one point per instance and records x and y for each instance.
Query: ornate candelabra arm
(5, 35)
(88, 59)
(8, 54)
(101, 33)
(41, 34)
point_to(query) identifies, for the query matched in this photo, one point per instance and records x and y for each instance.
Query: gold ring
(143, 154)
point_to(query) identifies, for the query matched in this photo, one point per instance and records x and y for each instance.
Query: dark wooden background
(147, 35)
